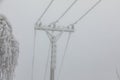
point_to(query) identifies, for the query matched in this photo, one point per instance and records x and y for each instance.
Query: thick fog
(94, 49)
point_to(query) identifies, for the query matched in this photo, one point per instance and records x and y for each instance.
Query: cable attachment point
(53, 25)
(40, 24)
(71, 27)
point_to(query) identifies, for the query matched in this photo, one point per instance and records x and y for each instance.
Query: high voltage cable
(33, 58)
(35, 37)
(87, 12)
(66, 11)
(70, 34)
(63, 57)
(118, 75)
(45, 11)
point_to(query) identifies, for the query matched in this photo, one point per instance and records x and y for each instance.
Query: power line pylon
(51, 30)
(54, 32)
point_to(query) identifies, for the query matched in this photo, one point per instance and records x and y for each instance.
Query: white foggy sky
(93, 52)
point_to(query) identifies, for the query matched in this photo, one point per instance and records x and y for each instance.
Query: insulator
(40, 24)
(53, 25)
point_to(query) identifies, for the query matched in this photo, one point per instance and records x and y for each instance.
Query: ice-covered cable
(44, 12)
(87, 12)
(33, 58)
(63, 57)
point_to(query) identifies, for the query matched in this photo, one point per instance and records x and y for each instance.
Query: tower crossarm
(55, 28)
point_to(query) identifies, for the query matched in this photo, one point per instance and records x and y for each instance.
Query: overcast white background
(94, 49)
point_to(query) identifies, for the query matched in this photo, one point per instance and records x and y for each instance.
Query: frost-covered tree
(9, 50)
